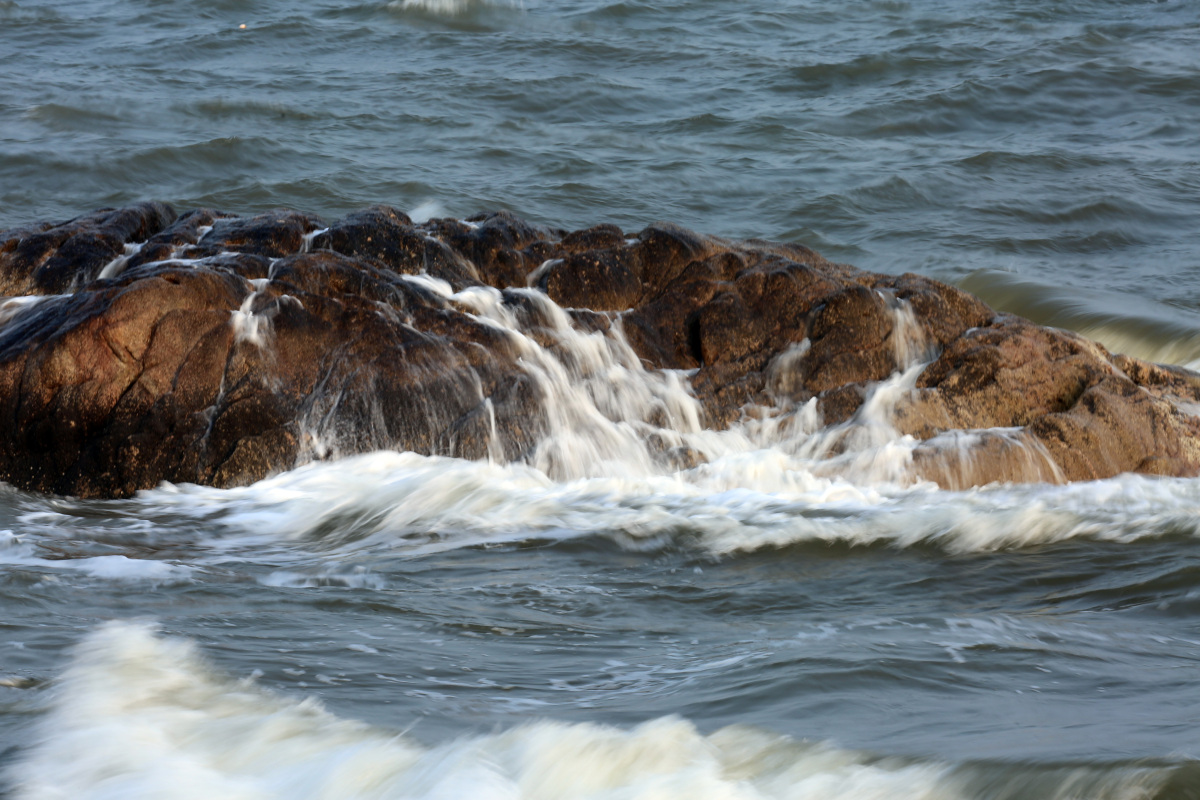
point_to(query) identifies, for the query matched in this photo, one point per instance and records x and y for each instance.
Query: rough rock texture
(218, 349)
(51, 259)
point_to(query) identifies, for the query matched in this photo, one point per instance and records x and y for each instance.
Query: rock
(196, 374)
(171, 241)
(274, 234)
(602, 280)
(386, 237)
(219, 349)
(51, 259)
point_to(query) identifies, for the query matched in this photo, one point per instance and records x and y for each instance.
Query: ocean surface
(770, 624)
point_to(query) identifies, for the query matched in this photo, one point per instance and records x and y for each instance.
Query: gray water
(395, 625)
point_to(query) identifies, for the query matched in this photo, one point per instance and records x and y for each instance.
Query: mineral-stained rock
(218, 349)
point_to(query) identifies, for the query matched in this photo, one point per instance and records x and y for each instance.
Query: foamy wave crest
(450, 7)
(412, 504)
(142, 716)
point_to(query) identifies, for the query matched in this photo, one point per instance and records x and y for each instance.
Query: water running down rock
(138, 346)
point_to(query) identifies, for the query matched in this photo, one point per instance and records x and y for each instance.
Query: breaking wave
(141, 715)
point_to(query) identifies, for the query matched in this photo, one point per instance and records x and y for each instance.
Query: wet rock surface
(138, 345)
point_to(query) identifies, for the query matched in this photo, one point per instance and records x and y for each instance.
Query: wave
(1126, 324)
(451, 7)
(141, 715)
(318, 525)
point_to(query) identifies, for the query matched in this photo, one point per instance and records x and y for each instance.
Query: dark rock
(387, 238)
(171, 241)
(603, 280)
(144, 379)
(664, 251)
(220, 349)
(600, 237)
(273, 234)
(51, 259)
(495, 245)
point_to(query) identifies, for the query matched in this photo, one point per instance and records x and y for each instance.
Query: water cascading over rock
(138, 346)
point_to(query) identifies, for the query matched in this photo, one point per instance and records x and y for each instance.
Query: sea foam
(414, 505)
(450, 7)
(141, 715)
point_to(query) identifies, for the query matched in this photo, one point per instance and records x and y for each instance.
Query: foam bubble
(118, 567)
(359, 579)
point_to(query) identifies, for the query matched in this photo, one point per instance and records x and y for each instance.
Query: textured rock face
(217, 349)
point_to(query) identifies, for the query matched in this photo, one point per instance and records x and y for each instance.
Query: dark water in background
(1012, 642)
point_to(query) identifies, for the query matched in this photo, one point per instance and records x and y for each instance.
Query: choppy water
(593, 624)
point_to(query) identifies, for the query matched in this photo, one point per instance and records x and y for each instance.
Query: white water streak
(413, 505)
(429, 209)
(115, 267)
(607, 415)
(450, 8)
(12, 307)
(249, 327)
(307, 241)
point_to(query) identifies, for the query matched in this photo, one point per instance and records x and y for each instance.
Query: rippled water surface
(396, 625)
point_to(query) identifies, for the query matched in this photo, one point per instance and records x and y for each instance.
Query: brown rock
(602, 280)
(50, 259)
(220, 349)
(273, 234)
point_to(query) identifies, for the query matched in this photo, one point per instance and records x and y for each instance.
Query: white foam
(429, 209)
(414, 505)
(22, 551)
(137, 715)
(450, 8)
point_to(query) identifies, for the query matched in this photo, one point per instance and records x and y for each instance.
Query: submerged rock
(137, 346)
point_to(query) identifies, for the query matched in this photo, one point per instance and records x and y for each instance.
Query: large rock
(218, 349)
